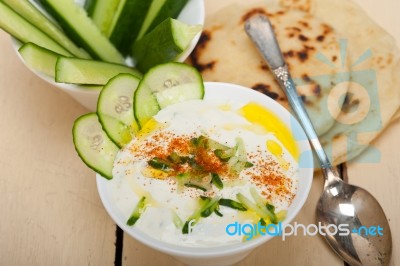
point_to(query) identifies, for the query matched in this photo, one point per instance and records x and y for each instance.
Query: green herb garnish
(137, 212)
(216, 180)
(232, 204)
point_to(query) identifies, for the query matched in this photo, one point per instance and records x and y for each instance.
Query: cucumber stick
(80, 28)
(92, 144)
(158, 12)
(127, 23)
(25, 32)
(164, 44)
(83, 71)
(102, 13)
(164, 85)
(115, 108)
(39, 58)
(137, 212)
(37, 19)
(89, 6)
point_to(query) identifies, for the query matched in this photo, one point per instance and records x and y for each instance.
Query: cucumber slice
(164, 85)
(80, 28)
(37, 19)
(164, 44)
(102, 13)
(83, 71)
(159, 11)
(127, 23)
(93, 146)
(25, 32)
(39, 58)
(115, 108)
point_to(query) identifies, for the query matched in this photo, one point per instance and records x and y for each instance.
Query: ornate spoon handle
(261, 33)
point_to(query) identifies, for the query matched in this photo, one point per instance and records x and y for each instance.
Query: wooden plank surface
(49, 207)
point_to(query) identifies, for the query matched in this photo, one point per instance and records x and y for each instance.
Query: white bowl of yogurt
(280, 169)
(193, 13)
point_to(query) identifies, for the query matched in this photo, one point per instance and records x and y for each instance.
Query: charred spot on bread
(316, 89)
(252, 12)
(289, 53)
(204, 39)
(264, 67)
(303, 38)
(265, 89)
(320, 38)
(302, 55)
(306, 78)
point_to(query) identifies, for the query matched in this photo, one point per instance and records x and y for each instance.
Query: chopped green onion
(198, 213)
(270, 207)
(137, 212)
(200, 142)
(232, 204)
(195, 166)
(158, 163)
(185, 228)
(174, 158)
(195, 186)
(216, 211)
(208, 211)
(248, 165)
(204, 198)
(216, 180)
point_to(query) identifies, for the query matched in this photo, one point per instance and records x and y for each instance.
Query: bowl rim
(219, 89)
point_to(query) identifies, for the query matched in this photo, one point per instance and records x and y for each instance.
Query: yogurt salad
(190, 166)
(200, 165)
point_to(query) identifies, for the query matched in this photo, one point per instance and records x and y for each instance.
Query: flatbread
(378, 72)
(226, 54)
(351, 112)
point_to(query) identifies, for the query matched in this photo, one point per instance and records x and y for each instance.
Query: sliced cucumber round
(115, 108)
(164, 85)
(94, 147)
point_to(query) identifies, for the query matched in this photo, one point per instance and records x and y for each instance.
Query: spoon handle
(261, 33)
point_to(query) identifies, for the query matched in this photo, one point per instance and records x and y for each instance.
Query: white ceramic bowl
(193, 14)
(229, 254)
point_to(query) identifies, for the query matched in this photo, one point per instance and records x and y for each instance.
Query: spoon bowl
(369, 240)
(362, 234)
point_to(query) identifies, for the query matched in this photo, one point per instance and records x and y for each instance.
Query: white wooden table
(51, 213)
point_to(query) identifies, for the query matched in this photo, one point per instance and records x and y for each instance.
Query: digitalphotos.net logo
(250, 231)
(358, 89)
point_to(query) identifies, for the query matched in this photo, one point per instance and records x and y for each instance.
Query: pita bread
(359, 105)
(347, 139)
(226, 54)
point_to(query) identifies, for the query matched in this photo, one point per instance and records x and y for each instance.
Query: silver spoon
(340, 203)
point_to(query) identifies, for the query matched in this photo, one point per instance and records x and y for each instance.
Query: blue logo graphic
(360, 112)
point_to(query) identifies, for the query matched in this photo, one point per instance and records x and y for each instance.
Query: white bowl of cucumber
(160, 201)
(78, 75)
